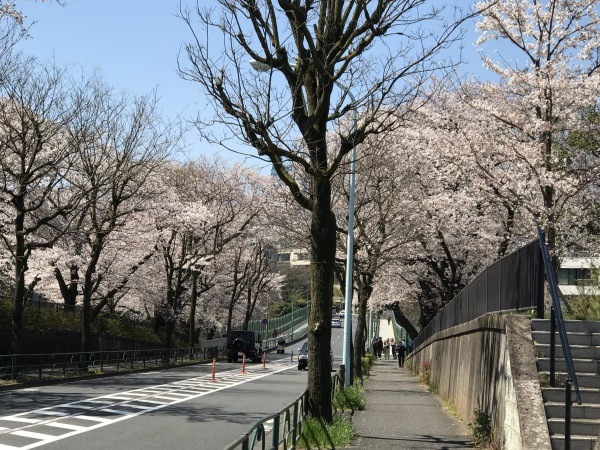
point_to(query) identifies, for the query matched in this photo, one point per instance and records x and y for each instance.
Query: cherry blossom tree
(546, 82)
(209, 205)
(121, 143)
(380, 227)
(308, 48)
(36, 157)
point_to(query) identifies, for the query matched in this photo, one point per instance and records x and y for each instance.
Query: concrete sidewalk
(402, 414)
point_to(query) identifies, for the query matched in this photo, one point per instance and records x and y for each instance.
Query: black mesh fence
(512, 283)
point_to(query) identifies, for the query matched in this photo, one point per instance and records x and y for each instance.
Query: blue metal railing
(557, 319)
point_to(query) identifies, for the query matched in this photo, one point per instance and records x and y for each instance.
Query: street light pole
(292, 338)
(349, 256)
(262, 67)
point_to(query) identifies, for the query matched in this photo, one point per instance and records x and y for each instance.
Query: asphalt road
(171, 409)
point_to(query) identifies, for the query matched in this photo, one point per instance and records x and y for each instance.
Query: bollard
(214, 368)
(264, 360)
(292, 356)
(244, 364)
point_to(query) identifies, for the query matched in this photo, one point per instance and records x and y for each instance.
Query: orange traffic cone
(244, 364)
(214, 369)
(264, 360)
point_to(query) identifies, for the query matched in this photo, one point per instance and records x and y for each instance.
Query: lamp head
(259, 66)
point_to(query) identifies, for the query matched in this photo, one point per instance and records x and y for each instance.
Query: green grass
(316, 434)
(351, 398)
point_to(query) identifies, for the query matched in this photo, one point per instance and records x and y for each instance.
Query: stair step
(577, 442)
(581, 427)
(557, 395)
(575, 338)
(556, 410)
(578, 351)
(584, 380)
(570, 325)
(590, 366)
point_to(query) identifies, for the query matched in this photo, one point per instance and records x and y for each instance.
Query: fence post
(539, 282)
(295, 427)
(276, 431)
(552, 347)
(568, 414)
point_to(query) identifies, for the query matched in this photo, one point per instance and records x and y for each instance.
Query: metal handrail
(558, 316)
(286, 436)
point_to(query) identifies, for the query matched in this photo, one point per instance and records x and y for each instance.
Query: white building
(577, 276)
(295, 257)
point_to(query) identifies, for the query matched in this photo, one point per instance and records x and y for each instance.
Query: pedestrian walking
(379, 347)
(393, 346)
(401, 350)
(386, 349)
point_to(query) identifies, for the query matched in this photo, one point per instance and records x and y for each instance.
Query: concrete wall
(489, 364)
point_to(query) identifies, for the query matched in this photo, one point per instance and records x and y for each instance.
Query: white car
(336, 322)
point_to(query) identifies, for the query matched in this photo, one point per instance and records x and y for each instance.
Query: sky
(135, 44)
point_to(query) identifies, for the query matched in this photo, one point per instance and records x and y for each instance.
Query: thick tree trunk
(403, 321)
(192, 328)
(20, 269)
(68, 291)
(18, 303)
(323, 244)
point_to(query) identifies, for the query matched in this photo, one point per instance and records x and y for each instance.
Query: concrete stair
(584, 341)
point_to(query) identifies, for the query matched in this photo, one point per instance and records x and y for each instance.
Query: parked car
(303, 357)
(336, 322)
(243, 343)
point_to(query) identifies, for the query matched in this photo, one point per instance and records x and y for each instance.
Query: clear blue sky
(135, 43)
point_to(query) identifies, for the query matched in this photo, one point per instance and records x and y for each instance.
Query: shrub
(426, 372)
(481, 427)
(366, 364)
(350, 398)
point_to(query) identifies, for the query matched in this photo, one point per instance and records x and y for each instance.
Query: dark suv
(240, 343)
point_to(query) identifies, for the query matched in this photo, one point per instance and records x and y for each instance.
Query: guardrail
(63, 365)
(282, 429)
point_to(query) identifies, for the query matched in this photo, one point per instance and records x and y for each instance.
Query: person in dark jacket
(401, 351)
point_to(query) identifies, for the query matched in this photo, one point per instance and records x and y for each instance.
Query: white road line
(227, 379)
(66, 426)
(20, 419)
(94, 419)
(8, 447)
(32, 435)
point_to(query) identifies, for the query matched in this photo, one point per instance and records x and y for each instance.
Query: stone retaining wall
(489, 364)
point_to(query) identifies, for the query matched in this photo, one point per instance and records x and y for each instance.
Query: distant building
(578, 276)
(294, 257)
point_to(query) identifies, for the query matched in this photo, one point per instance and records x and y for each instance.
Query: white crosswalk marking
(103, 411)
